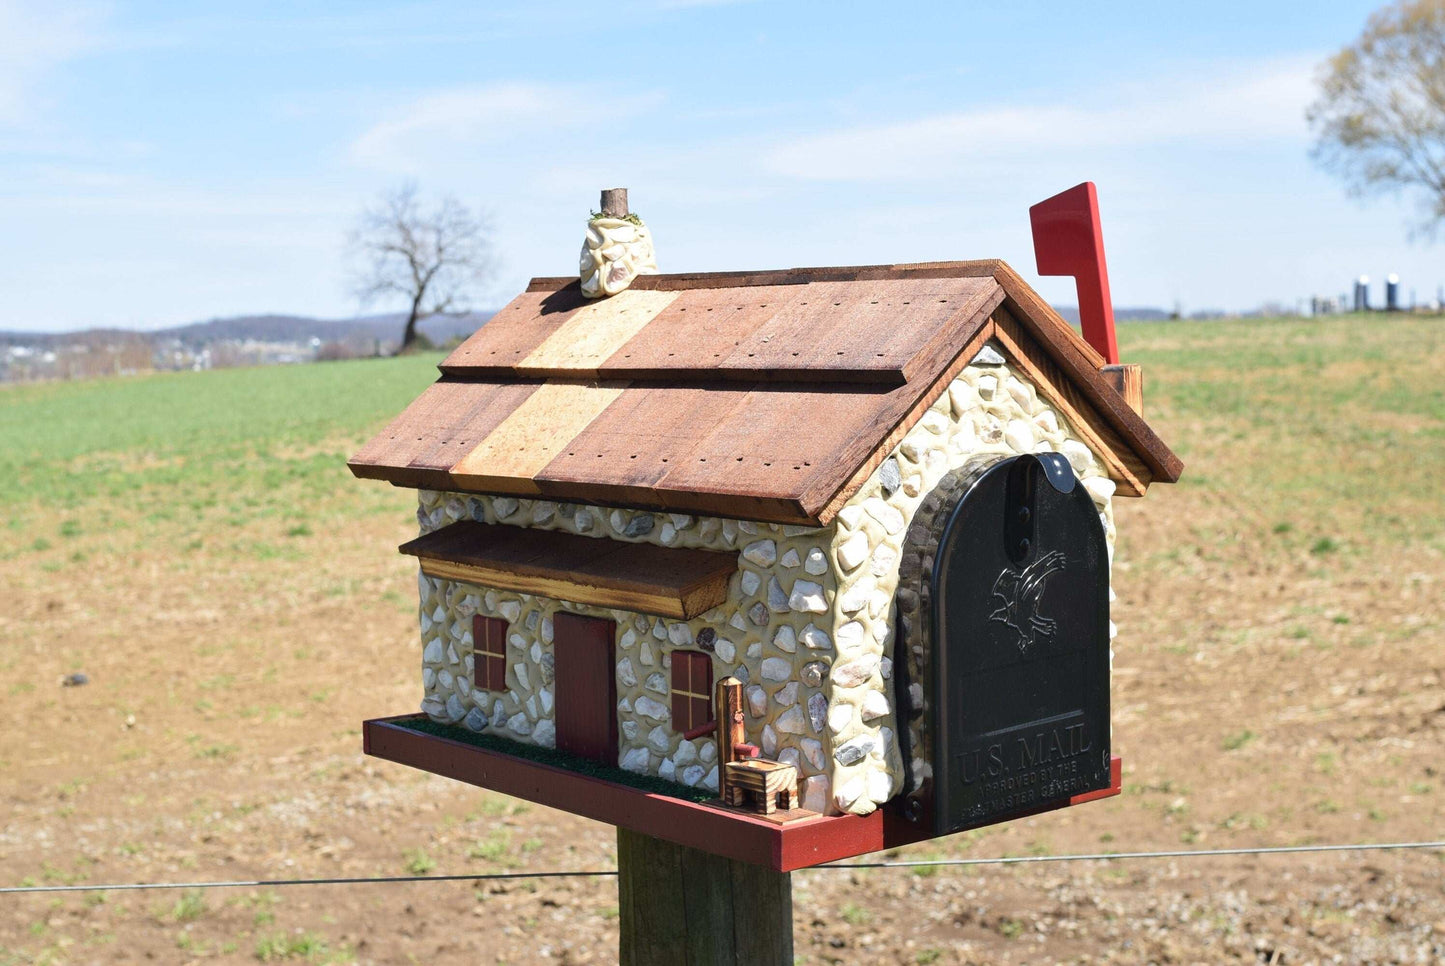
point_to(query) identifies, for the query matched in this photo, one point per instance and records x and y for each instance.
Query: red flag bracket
(1068, 241)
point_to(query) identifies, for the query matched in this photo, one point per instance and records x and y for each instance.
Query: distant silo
(1362, 294)
(1392, 292)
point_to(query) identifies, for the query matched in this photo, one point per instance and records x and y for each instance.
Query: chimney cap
(614, 202)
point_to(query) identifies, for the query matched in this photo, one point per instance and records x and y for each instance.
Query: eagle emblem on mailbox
(1017, 593)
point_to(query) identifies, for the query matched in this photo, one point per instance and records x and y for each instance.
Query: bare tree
(431, 257)
(1379, 121)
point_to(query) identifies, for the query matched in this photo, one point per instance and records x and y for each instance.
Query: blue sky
(162, 163)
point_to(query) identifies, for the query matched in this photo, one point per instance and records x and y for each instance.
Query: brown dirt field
(1266, 693)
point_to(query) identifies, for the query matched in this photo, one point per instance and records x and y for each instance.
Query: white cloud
(461, 121)
(1259, 101)
(33, 41)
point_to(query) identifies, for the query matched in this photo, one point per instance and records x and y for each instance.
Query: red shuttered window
(691, 690)
(489, 653)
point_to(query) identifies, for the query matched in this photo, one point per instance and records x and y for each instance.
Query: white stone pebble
(1019, 436)
(853, 551)
(874, 706)
(855, 750)
(757, 700)
(885, 558)
(626, 676)
(1101, 488)
(815, 793)
(807, 598)
(818, 711)
(1078, 455)
(885, 513)
(787, 695)
(815, 638)
(762, 552)
(849, 792)
(790, 559)
(776, 669)
(785, 639)
(816, 562)
(652, 709)
(934, 422)
(792, 722)
(813, 673)
(855, 672)
(850, 635)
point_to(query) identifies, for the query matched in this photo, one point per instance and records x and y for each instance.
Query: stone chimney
(617, 249)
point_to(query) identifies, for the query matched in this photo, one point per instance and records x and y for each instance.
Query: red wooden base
(710, 828)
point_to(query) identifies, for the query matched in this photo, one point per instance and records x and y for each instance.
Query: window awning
(669, 582)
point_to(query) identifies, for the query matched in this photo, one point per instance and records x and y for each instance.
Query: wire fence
(576, 874)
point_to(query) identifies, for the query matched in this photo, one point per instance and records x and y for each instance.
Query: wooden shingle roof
(762, 395)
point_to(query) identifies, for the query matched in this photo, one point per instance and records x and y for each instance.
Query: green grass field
(1330, 431)
(224, 447)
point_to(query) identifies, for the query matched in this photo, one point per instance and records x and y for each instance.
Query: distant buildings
(1358, 300)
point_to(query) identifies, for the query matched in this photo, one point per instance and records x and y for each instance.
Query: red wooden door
(585, 682)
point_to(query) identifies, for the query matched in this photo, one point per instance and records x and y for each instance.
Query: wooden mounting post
(614, 202)
(683, 907)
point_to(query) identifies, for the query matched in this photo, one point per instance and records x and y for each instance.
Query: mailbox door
(1021, 672)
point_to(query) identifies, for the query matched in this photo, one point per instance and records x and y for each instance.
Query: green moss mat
(558, 759)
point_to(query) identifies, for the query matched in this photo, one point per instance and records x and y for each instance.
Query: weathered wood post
(679, 906)
(682, 907)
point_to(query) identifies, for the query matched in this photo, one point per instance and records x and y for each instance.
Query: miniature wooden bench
(772, 784)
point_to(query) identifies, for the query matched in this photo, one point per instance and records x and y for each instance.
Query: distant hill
(261, 328)
(1136, 314)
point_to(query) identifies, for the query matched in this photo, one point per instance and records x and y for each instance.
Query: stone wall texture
(808, 627)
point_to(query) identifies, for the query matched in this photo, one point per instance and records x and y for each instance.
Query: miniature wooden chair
(770, 784)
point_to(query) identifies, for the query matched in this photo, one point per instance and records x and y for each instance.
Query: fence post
(683, 907)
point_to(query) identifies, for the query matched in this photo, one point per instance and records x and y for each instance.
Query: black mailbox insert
(1015, 693)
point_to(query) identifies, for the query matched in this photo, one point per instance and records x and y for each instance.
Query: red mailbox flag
(1068, 241)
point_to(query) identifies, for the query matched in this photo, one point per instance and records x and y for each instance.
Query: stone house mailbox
(786, 566)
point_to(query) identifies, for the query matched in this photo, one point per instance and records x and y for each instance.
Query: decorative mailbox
(1007, 640)
(786, 566)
